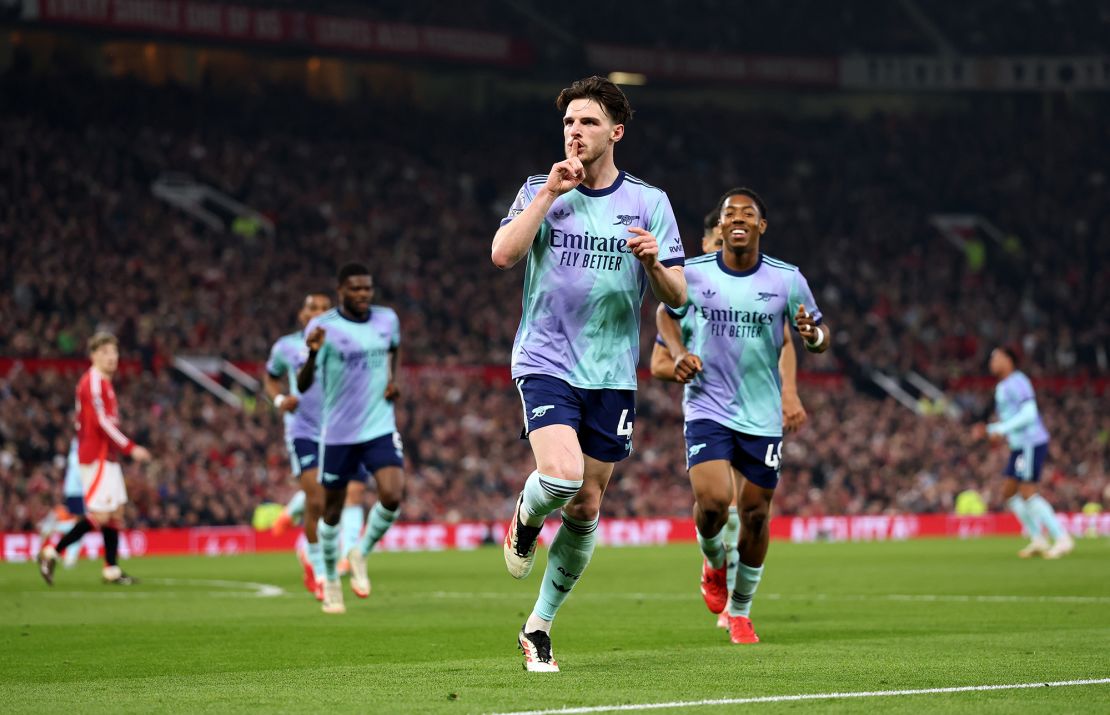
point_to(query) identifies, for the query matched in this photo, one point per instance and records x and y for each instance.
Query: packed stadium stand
(417, 193)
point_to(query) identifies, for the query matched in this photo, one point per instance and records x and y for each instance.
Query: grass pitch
(237, 634)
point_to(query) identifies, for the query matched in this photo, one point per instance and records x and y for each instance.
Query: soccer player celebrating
(301, 414)
(793, 412)
(594, 238)
(355, 351)
(1020, 423)
(733, 402)
(99, 444)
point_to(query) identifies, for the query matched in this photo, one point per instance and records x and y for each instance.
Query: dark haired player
(595, 238)
(354, 350)
(739, 298)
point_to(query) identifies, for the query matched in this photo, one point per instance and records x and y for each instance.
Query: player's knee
(566, 467)
(754, 518)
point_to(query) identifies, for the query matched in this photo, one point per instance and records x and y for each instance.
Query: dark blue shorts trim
(75, 505)
(757, 458)
(1026, 464)
(603, 419)
(345, 463)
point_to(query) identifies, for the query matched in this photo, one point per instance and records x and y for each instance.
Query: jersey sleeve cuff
(674, 313)
(680, 261)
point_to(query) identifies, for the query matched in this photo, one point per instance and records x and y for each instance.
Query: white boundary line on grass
(240, 589)
(806, 696)
(897, 597)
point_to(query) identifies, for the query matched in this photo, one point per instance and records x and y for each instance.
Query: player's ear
(617, 133)
(762, 226)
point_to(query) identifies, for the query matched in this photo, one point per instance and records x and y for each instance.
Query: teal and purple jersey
(583, 287)
(1015, 403)
(287, 356)
(352, 368)
(737, 333)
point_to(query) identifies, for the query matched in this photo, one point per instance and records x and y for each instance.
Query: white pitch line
(692, 596)
(807, 696)
(246, 589)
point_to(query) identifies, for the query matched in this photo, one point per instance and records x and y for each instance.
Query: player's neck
(353, 316)
(103, 373)
(740, 260)
(601, 174)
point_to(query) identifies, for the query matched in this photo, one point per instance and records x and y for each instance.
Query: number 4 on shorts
(624, 427)
(774, 455)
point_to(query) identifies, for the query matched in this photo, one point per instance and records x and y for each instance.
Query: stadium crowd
(418, 194)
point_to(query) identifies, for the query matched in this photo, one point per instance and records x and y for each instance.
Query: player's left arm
(793, 412)
(808, 319)
(664, 269)
(392, 387)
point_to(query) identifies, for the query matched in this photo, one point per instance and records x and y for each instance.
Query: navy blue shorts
(75, 505)
(602, 418)
(757, 458)
(1026, 464)
(304, 455)
(353, 462)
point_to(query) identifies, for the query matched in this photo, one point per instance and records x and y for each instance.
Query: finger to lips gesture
(644, 246)
(567, 174)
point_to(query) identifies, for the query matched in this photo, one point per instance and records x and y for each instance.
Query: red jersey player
(99, 444)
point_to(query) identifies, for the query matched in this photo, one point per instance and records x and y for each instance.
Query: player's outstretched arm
(685, 365)
(793, 412)
(307, 373)
(513, 240)
(817, 337)
(667, 284)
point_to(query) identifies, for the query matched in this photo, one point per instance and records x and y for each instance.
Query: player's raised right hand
(140, 454)
(566, 174)
(686, 367)
(315, 339)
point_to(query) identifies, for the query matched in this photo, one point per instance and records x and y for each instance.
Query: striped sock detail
(747, 581)
(580, 527)
(543, 495)
(560, 488)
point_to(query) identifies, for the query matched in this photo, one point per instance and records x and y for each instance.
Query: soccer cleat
(318, 590)
(343, 567)
(115, 576)
(309, 573)
(714, 586)
(1036, 547)
(1062, 547)
(722, 620)
(283, 523)
(360, 580)
(740, 630)
(47, 560)
(520, 544)
(536, 647)
(333, 597)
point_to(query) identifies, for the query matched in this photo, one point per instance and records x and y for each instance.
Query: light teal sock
(1021, 510)
(732, 537)
(713, 548)
(567, 558)
(350, 525)
(380, 521)
(1044, 516)
(295, 507)
(747, 581)
(329, 548)
(544, 494)
(315, 554)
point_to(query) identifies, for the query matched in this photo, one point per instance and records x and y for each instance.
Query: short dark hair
(1011, 352)
(743, 191)
(606, 93)
(352, 269)
(710, 221)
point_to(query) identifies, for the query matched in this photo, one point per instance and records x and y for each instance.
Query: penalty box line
(808, 696)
